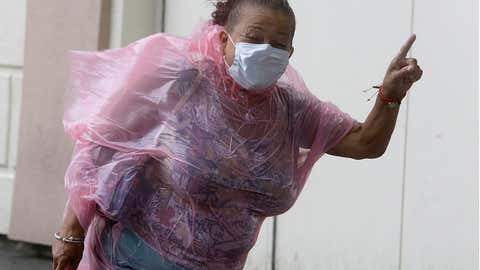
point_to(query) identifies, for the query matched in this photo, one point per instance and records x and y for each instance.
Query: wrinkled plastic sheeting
(168, 145)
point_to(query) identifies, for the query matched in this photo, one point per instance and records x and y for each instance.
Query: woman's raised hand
(402, 73)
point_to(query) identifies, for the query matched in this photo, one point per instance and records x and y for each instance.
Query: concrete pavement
(22, 256)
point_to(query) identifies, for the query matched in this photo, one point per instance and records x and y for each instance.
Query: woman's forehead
(264, 20)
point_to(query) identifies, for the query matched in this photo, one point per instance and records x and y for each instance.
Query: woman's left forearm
(377, 129)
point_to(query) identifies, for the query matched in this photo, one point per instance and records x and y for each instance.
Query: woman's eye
(253, 39)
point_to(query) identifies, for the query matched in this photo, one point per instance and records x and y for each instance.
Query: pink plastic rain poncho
(170, 146)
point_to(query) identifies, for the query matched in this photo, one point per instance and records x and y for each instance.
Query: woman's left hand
(402, 73)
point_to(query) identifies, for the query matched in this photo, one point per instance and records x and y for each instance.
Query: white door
(12, 29)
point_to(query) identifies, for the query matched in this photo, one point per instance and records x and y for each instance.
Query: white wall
(12, 29)
(440, 225)
(132, 20)
(181, 16)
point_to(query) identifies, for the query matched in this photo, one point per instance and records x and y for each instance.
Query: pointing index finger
(406, 47)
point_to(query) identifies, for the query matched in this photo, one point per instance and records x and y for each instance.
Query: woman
(185, 145)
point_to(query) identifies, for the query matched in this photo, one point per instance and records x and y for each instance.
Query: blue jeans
(132, 253)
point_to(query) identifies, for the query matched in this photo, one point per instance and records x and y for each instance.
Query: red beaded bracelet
(386, 99)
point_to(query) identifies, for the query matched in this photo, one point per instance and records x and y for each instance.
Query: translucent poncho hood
(169, 146)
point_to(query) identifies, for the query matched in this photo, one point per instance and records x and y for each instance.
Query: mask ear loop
(231, 40)
(233, 93)
(233, 43)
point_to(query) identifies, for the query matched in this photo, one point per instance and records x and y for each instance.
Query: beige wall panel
(53, 27)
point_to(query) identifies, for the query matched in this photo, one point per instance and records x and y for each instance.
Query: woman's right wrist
(72, 229)
(71, 226)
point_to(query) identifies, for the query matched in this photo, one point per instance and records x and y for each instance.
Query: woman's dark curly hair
(227, 12)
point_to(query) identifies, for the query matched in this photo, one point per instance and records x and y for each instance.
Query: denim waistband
(132, 252)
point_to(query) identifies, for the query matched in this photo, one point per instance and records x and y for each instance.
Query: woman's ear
(223, 40)
(228, 50)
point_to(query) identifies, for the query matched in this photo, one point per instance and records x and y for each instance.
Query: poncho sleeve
(319, 125)
(322, 124)
(117, 104)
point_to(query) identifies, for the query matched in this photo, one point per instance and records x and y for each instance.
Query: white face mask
(257, 66)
